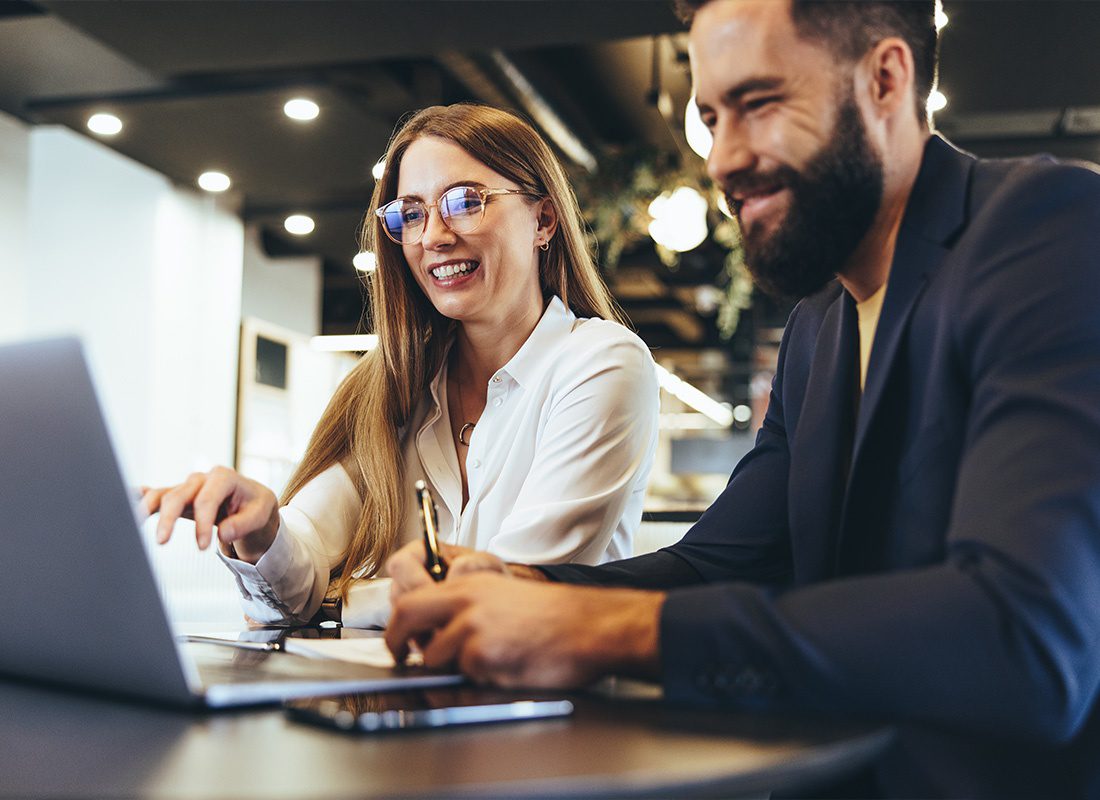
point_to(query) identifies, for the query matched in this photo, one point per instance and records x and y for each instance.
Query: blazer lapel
(934, 214)
(822, 443)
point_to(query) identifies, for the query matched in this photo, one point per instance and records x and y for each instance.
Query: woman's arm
(288, 583)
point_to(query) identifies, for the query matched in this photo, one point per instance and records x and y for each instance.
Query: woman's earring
(545, 246)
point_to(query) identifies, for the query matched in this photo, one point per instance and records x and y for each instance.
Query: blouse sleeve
(594, 452)
(289, 581)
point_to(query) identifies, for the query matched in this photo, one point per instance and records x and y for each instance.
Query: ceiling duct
(543, 113)
(486, 85)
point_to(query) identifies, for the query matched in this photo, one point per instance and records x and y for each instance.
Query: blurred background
(182, 183)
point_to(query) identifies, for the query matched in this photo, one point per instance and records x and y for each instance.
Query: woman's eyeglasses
(462, 209)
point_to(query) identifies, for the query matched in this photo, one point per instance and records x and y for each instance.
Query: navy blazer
(929, 552)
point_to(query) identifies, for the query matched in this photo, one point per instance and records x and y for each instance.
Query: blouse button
(475, 463)
(496, 379)
(497, 403)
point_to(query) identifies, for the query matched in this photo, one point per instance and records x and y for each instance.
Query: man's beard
(833, 201)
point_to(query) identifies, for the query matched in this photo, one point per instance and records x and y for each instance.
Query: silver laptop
(77, 590)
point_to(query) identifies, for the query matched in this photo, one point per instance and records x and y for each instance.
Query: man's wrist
(527, 572)
(627, 632)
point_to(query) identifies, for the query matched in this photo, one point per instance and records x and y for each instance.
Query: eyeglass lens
(460, 208)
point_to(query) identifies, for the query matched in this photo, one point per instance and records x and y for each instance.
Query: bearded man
(916, 534)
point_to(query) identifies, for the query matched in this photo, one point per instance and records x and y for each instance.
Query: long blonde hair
(362, 425)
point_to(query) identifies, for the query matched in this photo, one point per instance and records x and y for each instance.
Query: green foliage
(615, 201)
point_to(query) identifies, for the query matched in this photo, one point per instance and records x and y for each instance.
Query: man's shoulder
(1032, 183)
(810, 312)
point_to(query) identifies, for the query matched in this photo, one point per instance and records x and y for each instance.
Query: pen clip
(435, 564)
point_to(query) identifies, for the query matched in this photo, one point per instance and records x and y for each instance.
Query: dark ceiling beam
(1037, 124)
(172, 92)
(269, 212)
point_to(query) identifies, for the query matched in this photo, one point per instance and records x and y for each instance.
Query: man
(916, 534)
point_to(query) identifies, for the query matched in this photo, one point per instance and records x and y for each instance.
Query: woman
(502, 379)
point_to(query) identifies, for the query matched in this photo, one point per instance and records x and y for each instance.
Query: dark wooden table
(623, 741)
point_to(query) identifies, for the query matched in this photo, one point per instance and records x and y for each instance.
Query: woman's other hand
(245, 512)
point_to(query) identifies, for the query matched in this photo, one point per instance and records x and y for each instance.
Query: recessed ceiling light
(299, 224)
(301, 109)
(379, 169)
(365, 261)
(937, 101)
(214, 181)
(104, 124)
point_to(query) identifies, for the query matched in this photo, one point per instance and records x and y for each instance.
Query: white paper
(371, 651)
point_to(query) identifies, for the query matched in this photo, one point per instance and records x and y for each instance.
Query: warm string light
(679, 219)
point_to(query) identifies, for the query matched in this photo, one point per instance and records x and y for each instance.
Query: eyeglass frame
(483, 192)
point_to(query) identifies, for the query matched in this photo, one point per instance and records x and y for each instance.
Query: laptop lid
(81, 602)
(78, 590)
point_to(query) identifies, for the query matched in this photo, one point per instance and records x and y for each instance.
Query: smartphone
(401, 711)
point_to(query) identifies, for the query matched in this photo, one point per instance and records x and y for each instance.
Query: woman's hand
(246, 512)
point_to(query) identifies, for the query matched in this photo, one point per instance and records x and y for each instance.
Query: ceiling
(200, 84)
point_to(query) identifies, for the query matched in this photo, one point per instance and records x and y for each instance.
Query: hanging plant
(616, 200)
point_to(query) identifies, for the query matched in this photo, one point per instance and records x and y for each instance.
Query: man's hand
(521, 633)
(406, 566)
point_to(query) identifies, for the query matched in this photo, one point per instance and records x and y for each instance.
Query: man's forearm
(527, 572)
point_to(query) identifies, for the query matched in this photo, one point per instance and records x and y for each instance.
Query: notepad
(371, 651)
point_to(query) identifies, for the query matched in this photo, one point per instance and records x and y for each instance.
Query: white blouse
(557, 469)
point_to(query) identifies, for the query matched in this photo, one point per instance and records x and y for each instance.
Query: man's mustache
(749, 183)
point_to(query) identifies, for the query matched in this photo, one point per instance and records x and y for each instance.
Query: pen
(267, 647)
(437, 567)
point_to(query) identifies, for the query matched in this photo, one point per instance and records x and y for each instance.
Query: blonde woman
(503, 378)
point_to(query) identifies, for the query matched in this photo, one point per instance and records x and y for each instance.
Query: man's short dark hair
(852, 27)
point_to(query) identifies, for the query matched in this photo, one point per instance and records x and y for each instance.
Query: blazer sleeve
(1002, 635)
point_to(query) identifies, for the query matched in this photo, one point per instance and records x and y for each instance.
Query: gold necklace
(467, 427)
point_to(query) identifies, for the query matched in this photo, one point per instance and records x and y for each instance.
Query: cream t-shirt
(868, 312)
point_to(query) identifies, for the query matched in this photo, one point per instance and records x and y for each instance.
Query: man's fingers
(407, 569)
(420, 612)
(446, 644)
(476, 561)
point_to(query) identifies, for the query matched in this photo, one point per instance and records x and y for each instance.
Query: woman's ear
(547, 220)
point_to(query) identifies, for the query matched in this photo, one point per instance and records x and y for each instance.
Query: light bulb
(299, 224)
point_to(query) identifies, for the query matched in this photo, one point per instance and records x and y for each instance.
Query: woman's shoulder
(594, 334)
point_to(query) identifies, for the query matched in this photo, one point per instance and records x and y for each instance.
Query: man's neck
(868, 268)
